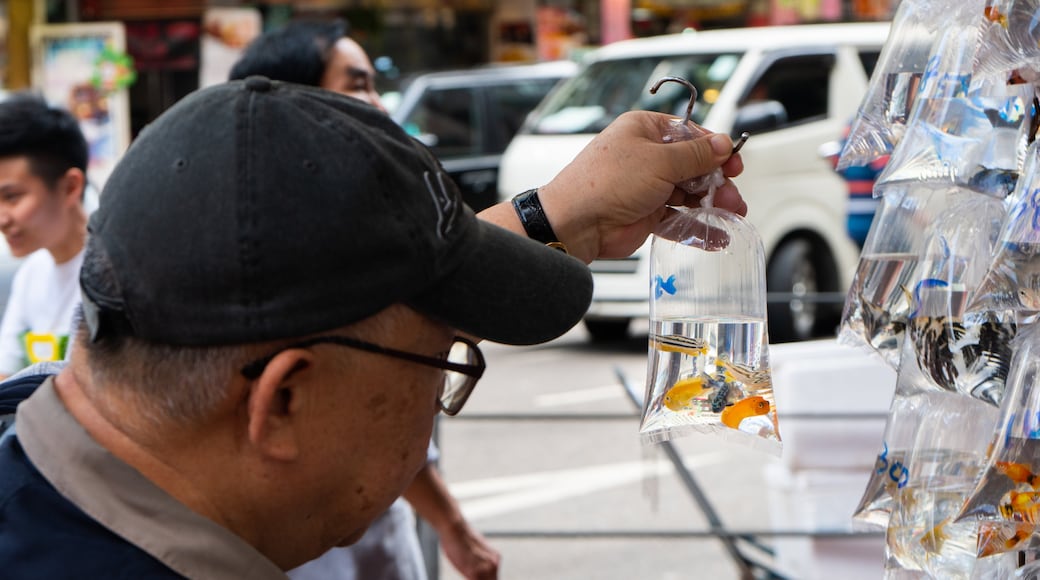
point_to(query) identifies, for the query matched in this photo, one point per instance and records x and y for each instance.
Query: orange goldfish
(680, 396)
(1018, 473)
(733, 414)
(1021, 506)
(993, 14)
(1000, 537)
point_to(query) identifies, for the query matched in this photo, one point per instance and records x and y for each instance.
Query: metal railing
(754, 559)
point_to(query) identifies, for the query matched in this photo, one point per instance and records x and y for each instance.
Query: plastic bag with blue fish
(958, 350)
(1012, 281)
(945, 462)
(965, 128)
(708, 370)
(1009, 489)
(886, 106)
(1010, 37)
(878, 302)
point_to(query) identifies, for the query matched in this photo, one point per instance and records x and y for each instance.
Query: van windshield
(588, 102)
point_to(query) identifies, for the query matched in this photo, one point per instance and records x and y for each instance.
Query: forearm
(430, 498)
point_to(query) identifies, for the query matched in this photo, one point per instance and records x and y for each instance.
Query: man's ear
(73, 184)
(274, 405)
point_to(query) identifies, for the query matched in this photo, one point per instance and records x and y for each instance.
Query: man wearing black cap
(319, 53)
(278, 290)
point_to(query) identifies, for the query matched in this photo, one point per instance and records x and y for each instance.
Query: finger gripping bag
(708, 363)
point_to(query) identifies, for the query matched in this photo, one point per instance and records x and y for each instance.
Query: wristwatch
(529, 209)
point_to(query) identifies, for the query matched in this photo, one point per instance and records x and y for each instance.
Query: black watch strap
(529, 209)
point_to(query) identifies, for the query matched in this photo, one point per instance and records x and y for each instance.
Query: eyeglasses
(463, 366)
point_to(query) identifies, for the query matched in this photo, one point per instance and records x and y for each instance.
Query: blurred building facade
(167, 38)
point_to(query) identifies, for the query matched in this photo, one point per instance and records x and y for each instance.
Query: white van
(794, 88)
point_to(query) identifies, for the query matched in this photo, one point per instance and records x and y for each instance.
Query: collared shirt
(123, 501)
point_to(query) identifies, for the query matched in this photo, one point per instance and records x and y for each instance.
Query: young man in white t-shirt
(43, 163)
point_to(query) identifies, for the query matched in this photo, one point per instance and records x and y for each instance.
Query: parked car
(792, 87)
(468, 117)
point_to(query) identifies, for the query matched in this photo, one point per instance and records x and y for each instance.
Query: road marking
(484, 498)
(578, 397)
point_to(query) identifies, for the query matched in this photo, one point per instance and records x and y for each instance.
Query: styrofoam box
(825, 383)
(821, 501)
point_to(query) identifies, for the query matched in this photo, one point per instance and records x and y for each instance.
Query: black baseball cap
(257, 210)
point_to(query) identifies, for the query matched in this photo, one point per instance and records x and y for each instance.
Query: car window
(509, 106)
(869, 59)
(800, 84)
(447, 121)
(588, 102)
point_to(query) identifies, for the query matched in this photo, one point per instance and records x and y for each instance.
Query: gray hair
(184, 384)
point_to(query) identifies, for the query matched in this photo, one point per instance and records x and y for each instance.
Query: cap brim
(510, 289)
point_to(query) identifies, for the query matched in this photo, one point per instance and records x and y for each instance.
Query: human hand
(607, 201)
(470, 553)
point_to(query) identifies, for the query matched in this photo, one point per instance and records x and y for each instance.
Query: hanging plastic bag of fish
(879, 299)
(891, 474)
(1009, 490)
(958, 350)
(708, 370)
(945, 461)
(886, 106)
(1010, 38)
(965, 128)
(1012, 281)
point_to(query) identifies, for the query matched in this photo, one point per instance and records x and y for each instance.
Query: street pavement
(515, 475)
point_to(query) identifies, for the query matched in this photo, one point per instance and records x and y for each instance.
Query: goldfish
(1021, 506)
(1000, 537)
(733, 414)
(934, 538)
(680, 344)
(993, 14)
(1018, 473)
(682, 393)
(752, 378)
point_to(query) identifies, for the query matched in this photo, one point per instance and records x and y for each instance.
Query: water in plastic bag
(1009, 491)
(959, 351)
(890, 474)
(1010, 36)
(879, 299)
(887, 104)
(945, 462)
(971, 141)
(708, 369)
(1012, 281)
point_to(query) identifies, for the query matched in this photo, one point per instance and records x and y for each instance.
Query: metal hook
(684, 82)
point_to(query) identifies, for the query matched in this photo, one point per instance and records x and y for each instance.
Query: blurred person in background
(320, 54)
(43, 164)
(859, 179)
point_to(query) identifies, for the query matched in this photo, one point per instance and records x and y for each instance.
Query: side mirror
(759, 117)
